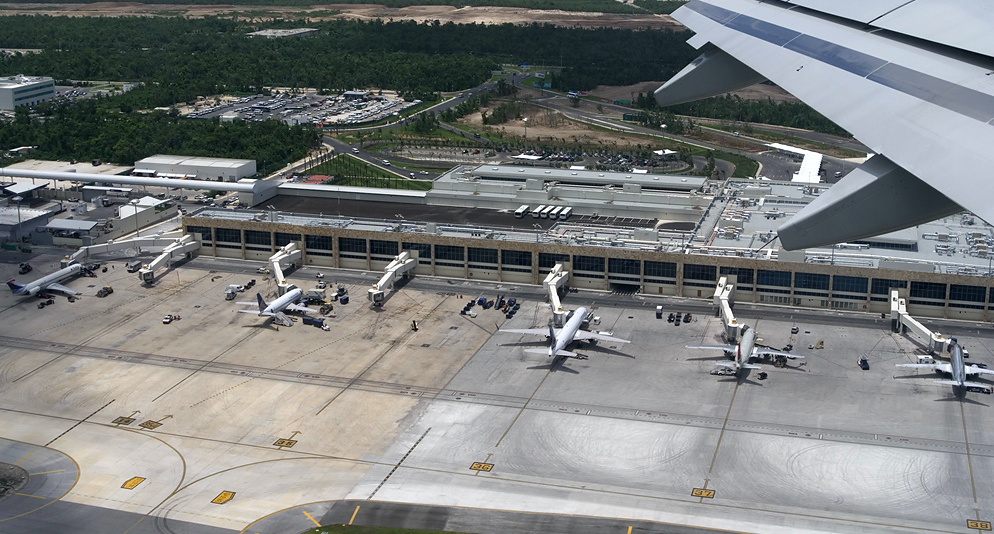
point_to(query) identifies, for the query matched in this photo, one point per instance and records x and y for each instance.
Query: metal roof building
(213, 169)
(21, 90)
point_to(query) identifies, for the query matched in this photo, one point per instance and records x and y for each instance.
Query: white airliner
(276, 308)
(745, 351)
(956, 369)
(562, 338)
(48, 283)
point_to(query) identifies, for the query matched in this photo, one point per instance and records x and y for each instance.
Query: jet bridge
(183, 247)
(901, 322)
(397, 268)
(558, 277)
(723, 301)
(83, 254)
(286, 257)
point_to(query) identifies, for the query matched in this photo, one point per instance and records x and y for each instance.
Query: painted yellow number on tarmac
(705, 493)
(979, 525)
(480, 466)
(285, 442)
(223, 497)
(123, 421)
(132, 483)
(151, 425)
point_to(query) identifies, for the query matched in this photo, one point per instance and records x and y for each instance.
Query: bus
(545, 212)
(554, 214)
(521, 212)
(538, 211)
(567, 211)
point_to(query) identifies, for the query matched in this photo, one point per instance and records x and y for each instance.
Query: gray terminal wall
(605, 268)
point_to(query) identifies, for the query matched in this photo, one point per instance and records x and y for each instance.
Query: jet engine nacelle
(34, 291)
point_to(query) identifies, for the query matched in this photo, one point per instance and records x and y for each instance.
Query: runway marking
(25, 458)
(132, 483)
(979, 525)
(723, 425)
(484, 462)
(34, 496)
(629, 529)
(288, 443)
(226, 496)
(480, 466)
(123, 421)
(351, 519)
(532, 396)
(150, 425)
(409, 451)
(311, 518)
(702, 493)
(81, 421)
(47, 472)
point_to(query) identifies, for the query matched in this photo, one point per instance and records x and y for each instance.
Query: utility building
(211, 169)
(21, 90)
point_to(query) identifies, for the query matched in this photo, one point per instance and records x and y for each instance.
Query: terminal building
(942, 268)
(21, 90)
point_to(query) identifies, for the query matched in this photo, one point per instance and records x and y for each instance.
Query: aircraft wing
(898, 74)
(535, 331)
(583, 334)
(726, 348)
(944, 367)
(296, 308)
(974, 370)
(770, 352)
(60, 288)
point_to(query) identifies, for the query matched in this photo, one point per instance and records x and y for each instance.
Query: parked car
(863, 363)
(167, 319)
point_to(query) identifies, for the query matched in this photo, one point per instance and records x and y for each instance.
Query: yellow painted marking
(480, 466)
(629, 529)
(703, 493)
(311, 518)
(979, 525)
(47, 472)
(132, 483)
(39, 497)
(25, 458)
(351, 519)
(151, 425)
(223, 497)
(285, 443)
(123, 421)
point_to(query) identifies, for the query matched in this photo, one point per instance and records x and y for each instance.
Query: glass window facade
(447, 252)
(548, 261)
(928, 290)
(882, 286)
(622, 266)
(850, 284)
(318, 242)
(424, 249)
(516, 257)
(482, 255)
(253, 237)
(811, 281)
(229, 235)
(283, 239)
(700, 272)
(588, 263)
(773, 278)
(351, 244)
(384, 248)
(967, 293)
(743, 276)
(661, 269)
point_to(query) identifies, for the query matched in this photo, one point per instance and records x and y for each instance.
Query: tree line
(601, 6)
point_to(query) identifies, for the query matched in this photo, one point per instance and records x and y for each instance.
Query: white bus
(545, 212)
(554, 214)
(538, 211)
(521, 212)
(567, 211)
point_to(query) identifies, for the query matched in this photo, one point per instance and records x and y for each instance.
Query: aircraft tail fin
(16, 288)
(262, 303)
(552, 335)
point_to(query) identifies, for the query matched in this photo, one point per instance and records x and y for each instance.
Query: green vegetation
(662, 7)
(602, 6)
(359, 529)
(96, 129)
(347, 170)
(733, 108)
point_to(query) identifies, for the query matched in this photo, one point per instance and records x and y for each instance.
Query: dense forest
(202, 56)
(601, 6)
(734, 108)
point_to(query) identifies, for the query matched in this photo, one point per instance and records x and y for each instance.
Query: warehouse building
(210, 169)
(21, 90)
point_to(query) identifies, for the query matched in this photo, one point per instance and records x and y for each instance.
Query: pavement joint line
(81, 421)
(504, 435)
(409, 451)
(722, 434)
(212, 360)
(969, 461)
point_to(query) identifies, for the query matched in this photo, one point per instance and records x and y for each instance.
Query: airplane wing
(726, 348)
(583, 334)
(256, 304)
(770, 352)
(536, 331)
(898, 74)
(297, 308)
(60, 288)
(964, 384)
(254, 312)
(944, 367)
(974, 370)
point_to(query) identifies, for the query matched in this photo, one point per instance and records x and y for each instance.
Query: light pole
(134, 203)
(18, 199)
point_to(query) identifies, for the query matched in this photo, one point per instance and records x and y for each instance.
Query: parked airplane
(276, 308)
(745, 351)
(562, 338)
(48, 283)
(956, 369)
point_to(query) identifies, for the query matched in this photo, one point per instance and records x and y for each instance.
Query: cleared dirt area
(443, 14)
